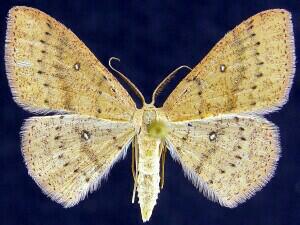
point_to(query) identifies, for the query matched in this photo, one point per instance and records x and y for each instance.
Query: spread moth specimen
(212, 123)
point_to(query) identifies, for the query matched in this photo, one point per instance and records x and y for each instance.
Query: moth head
(157, 129)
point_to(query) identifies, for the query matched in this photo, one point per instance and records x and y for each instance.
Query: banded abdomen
(148, 173)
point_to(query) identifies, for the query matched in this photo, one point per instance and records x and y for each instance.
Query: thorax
(150, 121)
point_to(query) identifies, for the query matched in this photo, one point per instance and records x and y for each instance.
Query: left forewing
(68, 156)
(228, 158)
(250, 70)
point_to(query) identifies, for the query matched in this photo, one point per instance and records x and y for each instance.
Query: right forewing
(69, 155)
(50, 69)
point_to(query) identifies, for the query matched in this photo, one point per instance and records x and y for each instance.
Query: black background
(151, 38)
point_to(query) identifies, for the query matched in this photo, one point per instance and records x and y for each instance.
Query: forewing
(228, 158)
(50, 69)
(69, 155)
(249, 70)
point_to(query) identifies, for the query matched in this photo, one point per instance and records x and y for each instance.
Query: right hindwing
(69, 155)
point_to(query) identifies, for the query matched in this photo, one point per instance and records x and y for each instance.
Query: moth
(212, 123)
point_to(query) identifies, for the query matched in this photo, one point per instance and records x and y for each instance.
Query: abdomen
(148, 174)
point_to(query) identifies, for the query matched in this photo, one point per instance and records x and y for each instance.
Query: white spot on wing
(24, 64)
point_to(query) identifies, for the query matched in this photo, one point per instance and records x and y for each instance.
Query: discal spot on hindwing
(85, 135)
(238, 166)
(212, 136)
(75, 158)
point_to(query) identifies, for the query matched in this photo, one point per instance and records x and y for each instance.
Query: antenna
(160, 87)
(127, 81)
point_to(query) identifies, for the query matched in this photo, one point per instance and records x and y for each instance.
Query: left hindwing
(228, 158)
(69, 155)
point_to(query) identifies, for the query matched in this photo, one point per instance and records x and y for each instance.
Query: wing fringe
(93, 185)
(212, 195)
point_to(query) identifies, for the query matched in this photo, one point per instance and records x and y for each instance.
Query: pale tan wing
(228, 158)
(50, 69)
(249, 70)
(69, 155)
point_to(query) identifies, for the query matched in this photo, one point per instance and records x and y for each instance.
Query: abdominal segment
(148, 178)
